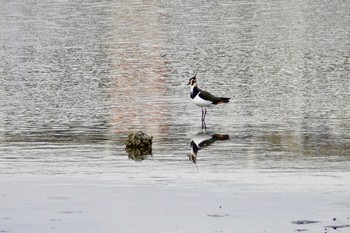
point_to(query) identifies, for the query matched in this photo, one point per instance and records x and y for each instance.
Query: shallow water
(77, 77)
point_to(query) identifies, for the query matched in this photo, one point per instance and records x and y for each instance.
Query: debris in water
(302, 222)
(138, 145)
(335, 227)
(218, 215)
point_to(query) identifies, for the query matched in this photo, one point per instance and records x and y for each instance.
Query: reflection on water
(139, 154)
(140, 83)
(77, 77)
(202, 140)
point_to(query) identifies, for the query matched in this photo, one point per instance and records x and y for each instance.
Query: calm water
(77, 77)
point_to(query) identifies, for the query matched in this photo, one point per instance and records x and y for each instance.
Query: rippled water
(77, 77)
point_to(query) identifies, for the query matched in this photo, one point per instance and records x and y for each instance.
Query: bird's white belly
(201, 102)
(201, 137)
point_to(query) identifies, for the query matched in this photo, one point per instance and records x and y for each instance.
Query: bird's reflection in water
(202, 140)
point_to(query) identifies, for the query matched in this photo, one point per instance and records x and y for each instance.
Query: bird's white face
(192, 81)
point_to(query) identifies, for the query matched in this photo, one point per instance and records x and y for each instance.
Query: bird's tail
(221, 137)
(221, 100)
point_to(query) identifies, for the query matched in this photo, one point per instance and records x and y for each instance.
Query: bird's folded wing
(207, 96)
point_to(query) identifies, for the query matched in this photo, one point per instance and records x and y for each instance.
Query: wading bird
(204, 99)
(202, 140)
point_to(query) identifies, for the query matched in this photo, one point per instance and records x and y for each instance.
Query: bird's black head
(192, 81)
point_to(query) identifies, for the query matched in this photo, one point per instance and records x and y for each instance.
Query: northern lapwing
(204, 99)
(202, 140)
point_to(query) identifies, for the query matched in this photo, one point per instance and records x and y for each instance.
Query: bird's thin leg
(202, 119)
(205, 113)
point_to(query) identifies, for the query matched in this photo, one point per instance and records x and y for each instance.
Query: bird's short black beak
(193, 78)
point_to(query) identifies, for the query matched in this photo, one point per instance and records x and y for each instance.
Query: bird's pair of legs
(204, 113)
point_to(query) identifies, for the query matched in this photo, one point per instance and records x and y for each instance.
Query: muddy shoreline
(97, 205)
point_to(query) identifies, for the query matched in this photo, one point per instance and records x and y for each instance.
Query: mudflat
(98, 205)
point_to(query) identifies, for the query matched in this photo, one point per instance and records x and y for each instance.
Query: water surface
(77, 77)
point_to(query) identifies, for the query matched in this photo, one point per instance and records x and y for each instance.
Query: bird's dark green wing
(206, 95)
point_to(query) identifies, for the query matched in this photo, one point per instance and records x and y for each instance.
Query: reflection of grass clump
(138, 145)
(138, 154)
